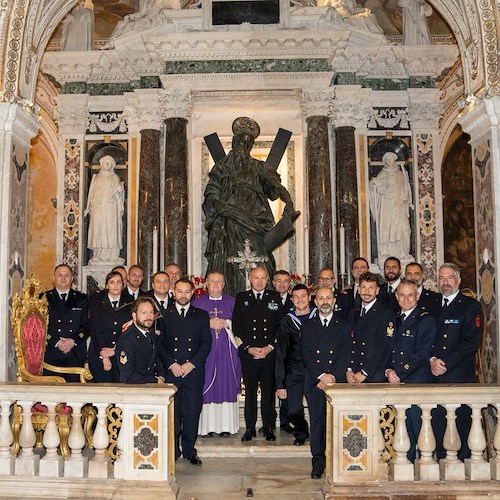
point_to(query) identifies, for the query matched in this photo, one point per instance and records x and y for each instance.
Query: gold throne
(29, 326)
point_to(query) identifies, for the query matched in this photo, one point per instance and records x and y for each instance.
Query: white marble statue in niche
(354, 15)
(390, 203)
(105, 205)
(415, 26)
(78, 29)
(151, 13)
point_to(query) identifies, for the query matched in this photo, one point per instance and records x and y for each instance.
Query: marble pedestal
(98, 272)
(76, 468)
(452, 471)
(495, 469)
(100, 469)
(27, 465)
(401, 472)
(51, 467)
(426, 471)
(477, 471)
(7, 466)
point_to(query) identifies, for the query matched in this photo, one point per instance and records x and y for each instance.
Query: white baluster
(119, 468)
(452, 469)
(77, 464)
(383, 468)
(426, 468)
(100, 466)
(401, 469)
(476, 467)
(6, 440)
(494, 462)
(51, 465)
(28, 462)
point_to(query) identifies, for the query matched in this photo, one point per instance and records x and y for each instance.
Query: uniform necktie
(403, 317)
(389, 289)
(182, 312)
(162, 304)
(259, 296)
(363, 312)
(63, 296)
(115, 304)
(325, 322)
(445, 302)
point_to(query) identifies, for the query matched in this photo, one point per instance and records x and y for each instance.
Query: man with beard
(392, 276)
(236, 206)
(374, 328)
(429, 300)
(349, 298)
(187, 345)
(452, 361)
(138, 360)
(290, 370)
(325, 344)
(135, 278)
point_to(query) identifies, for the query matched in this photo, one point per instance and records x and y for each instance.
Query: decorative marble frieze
(107, 122)
(246, 66)
(389, 118)
(425, 82)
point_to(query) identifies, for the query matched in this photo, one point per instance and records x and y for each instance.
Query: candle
(342, 248)
(155, 249)
(306, 250)
(188, 249)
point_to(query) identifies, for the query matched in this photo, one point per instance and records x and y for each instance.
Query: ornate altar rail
(145, 442)
(355, 443)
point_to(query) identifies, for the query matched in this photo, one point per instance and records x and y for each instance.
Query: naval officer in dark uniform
(452, 359)
(374, 327)
(325, 344)
(413, 341)
(187, 344)
(136, 350)
(109, 310)
(429, 300)
(256, 317)
(349, 298)
(67, 328)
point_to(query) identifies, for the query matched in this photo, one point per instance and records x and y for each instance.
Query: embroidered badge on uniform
(478, 321)
(123, 358)
(245, 303)
(406, 366)
(272, 306)
(390, 329)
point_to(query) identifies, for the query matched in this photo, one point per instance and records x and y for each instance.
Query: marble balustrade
(356, 441)
(145, 441)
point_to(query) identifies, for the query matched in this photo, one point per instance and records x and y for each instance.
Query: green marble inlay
(242, 66)
(150, 82)
(419, 82)
(117, 88)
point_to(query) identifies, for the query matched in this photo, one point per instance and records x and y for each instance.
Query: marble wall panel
(146, 441)
(485, 251)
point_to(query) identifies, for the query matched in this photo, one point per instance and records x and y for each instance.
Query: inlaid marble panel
(354, 443)
(146, 440)
(482, 166)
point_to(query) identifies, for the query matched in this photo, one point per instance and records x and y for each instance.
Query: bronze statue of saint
(237, 207)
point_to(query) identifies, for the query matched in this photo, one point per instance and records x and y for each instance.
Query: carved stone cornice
(424, 109)
(72, 114)
(351, 107)
(143, 110)
(425, 59)
(176, 104)
(481, 117)
(317, 102)
(23, 124)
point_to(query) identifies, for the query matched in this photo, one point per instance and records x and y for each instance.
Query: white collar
(179, 307)
(214, 298)
(450, 298)
(328, 318)
(369, 305)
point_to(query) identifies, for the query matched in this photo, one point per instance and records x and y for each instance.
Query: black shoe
(261, 430)
(224, 434)
(287, 428)
(299, 442)
(269, 435)
(249, 434)
(195, 460)
(209, 435)
(316, 473)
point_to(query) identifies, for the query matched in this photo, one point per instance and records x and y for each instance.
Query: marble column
(18, 125)
(72, 118)
(176, 108)
(144, 118)
(481, 121)
(348, 115)
(424, 112)
(319, 180)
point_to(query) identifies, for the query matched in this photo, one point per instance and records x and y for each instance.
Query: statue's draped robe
(245, 192)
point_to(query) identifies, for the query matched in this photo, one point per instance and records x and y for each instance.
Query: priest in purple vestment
(220, 412)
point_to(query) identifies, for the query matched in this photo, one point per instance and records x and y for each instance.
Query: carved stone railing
(144, 445)
(355, 443)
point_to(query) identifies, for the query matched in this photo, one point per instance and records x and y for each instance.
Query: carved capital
(317, 102)
(143, 110)
(424, 109)
(480, 117)
(176, 104)
(351, 107)
(72, 114)
(23, 124)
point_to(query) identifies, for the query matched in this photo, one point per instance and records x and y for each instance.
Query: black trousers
(295, 394)
(259, 372)
(317, 412)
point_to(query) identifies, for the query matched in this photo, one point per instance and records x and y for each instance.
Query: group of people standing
(288, 343)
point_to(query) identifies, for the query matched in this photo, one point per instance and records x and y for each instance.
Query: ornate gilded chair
(29, 326)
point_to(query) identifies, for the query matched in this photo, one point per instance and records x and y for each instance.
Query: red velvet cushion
(33, 338)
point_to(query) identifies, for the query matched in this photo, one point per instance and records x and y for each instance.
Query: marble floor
(257, 469)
